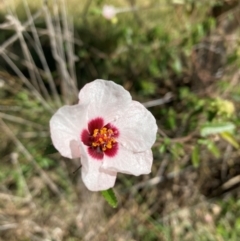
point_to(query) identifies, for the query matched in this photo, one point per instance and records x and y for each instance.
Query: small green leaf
(110, 197)
(230, 139)
(213, 149)
(50, 150)
(177, 66)
(216, 128)
(162, 148)
(195, 156)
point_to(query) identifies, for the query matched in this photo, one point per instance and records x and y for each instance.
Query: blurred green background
(179, 58)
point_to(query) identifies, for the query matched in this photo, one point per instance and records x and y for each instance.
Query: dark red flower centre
(100, 139)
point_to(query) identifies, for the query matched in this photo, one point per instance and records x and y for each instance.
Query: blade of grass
(47, 180)
(39, 50)
(26, 82)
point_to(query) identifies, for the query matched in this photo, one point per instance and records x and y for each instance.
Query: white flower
(108, 130)
(109, 11)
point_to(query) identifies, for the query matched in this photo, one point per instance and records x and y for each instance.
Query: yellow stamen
(95, 144)
(103, 138)
(95, 132)
(109, 145)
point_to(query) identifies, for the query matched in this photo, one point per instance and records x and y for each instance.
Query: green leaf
(110, 197)
(230, 139)
(50, 150)
(162, 148)
(216, 128)
(177, 66)
(195, 156)
(213, 149)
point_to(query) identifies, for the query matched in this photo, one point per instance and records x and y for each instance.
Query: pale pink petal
(94, 177)
(108, 11)
(105, 98)
(137, 128)
(128, 162)
(65, 128)
(75, 149)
